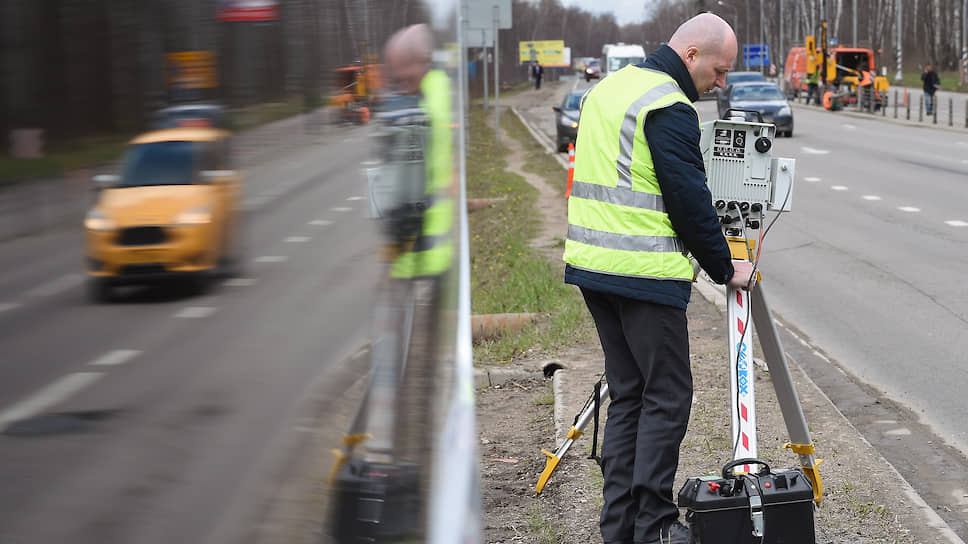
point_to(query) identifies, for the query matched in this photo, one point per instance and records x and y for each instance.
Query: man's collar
(665, 59)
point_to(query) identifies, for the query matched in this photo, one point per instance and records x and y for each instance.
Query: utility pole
(855, 24)
(746, 62)
(762, 45)
(964, 43)
(898, 4)
(780, 56)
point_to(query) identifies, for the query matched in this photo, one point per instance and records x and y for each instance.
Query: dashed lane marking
(813, 151)
(951, 223)
(320, 222)
(53, 394)
(352, 198)
(811, 179)
(196, 312)
(341, 209)
(272, 259)
(116, 357)
(297, 239)
(62, 283)
(239, 282)
(871, 197)
(838, 187)
(4, 306)
(849, 127)
(909, 209)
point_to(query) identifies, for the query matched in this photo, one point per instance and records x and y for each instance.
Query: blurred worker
(639, 202)
(865, 86)
(408, 62)
(931, 85)
(812, 86)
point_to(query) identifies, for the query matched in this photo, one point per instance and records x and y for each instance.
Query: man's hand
(742, 270)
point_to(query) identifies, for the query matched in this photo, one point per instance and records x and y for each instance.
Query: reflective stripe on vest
(617, 218)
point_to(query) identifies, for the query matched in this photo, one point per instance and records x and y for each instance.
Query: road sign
(480, 13)
(756, 54)
(548, 52)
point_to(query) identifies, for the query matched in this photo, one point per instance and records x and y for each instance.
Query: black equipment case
(765, 507)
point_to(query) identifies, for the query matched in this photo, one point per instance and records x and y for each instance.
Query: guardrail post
(934, 111)
(921, 108)
(907, 104)
(951, 112)
(966, 113)
(895, 103)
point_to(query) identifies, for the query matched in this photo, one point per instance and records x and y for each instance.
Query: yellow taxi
(172, 212)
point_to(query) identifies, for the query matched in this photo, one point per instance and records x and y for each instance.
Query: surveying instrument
(745, 182)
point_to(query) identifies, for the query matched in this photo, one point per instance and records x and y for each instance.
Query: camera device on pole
(768, 506)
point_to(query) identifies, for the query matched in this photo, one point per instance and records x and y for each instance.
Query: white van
(617, 55)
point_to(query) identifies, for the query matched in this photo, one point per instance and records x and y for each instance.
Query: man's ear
(690, 55)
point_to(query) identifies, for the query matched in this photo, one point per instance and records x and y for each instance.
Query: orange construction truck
(843, 67)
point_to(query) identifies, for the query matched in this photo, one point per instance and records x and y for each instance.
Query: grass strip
(507, 275)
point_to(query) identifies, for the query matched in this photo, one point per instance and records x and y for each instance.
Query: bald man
(639, 203)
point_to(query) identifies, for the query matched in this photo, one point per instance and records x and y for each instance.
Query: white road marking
(952, 223)
(272, 259)
(370, 162)
(4, 306)
(196, 312)
(62, 283)
(849, 127)
(871, 197)
(838, 187)
(811, 179)
(910, 209)
(341, 209)
(900, 431)
(297, 239)
(321, 222)
(239, 282)
(55, 393)
(813, 151)
(352, 198)
(962, 143)
(116, 357)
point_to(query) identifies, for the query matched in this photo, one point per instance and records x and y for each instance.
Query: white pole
(484, 64)
(497, 78)
(762, 44)
(964, 42)
(780, 57)
(900, 48)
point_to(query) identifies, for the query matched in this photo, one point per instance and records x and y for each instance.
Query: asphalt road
(167, 417)
(867, 273)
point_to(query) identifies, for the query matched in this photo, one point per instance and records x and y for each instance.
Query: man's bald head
(408, 55)
(707, 46)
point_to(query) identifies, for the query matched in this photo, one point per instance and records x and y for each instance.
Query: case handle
(728, 468)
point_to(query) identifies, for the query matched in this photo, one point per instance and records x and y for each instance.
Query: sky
(626, 11)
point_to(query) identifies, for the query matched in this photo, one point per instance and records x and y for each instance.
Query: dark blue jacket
(673, 137)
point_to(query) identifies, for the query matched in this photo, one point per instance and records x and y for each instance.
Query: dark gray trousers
(646, 349)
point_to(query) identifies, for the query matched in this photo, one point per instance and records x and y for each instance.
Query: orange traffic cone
(571, 168)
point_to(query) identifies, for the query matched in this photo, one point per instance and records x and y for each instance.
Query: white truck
(617, 55)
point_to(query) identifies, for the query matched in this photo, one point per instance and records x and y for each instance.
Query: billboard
(246, 10)
(191, 70)
(550, 53)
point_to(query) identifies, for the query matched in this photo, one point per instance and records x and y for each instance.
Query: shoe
(676, 533)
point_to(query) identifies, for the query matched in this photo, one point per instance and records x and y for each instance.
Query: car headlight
(784, 111)
(96, 220)
(200, 215)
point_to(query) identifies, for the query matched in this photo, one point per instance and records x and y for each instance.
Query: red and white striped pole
(741, 375)
(571, 168)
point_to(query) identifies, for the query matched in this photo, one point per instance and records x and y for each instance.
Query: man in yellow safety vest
(639, 203)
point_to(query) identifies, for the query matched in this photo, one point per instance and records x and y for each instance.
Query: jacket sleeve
(673, 137)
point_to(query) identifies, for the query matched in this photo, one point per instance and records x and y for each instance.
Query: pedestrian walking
(931, 83)
(537, 71)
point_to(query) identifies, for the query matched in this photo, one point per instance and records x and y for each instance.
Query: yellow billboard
(550, 53)
(191, 70)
